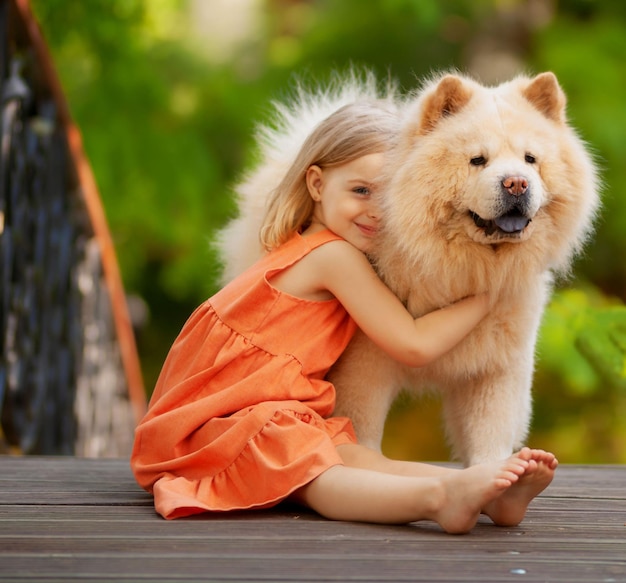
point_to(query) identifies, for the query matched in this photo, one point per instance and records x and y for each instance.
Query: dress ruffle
(290, 450)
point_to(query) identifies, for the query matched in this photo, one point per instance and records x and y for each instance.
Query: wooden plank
(419, 544)
(65, 519)
(115, 475)
(181, 566)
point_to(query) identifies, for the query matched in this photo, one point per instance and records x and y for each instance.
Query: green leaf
(602, 340)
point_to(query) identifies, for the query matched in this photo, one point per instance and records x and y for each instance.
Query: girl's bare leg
(507, 510)
(453, 499)
(359, 456)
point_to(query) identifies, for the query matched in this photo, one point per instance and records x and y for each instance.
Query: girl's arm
(346, 273)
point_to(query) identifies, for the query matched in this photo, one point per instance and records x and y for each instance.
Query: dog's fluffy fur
(489, 189)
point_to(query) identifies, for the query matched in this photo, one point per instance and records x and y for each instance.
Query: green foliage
(562, 324)
(602, 340)
(580, 401)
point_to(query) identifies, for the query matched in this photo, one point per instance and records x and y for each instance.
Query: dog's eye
(478, 161)
(530, 158)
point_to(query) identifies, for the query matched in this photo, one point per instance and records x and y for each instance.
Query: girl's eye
(362, 190)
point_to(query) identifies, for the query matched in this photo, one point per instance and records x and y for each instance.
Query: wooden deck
(71, 519)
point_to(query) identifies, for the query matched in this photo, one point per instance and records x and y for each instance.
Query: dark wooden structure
(72, 519)
(70, 381)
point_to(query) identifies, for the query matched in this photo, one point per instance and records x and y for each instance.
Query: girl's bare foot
(510, 508)
(467, 491)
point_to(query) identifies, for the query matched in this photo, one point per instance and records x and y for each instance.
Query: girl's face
(343, 199)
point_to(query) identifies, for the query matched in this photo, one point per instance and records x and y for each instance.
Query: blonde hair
(353, 131)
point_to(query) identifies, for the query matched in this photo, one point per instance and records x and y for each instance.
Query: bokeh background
(167, 94)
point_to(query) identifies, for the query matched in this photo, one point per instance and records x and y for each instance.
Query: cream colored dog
(489, 188)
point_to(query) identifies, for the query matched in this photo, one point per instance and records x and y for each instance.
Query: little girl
(241, 414)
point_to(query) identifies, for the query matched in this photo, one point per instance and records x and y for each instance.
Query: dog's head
(492, 167)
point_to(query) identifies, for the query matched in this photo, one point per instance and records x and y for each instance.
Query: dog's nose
(515, 185)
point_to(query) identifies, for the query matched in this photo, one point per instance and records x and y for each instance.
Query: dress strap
(319, 238)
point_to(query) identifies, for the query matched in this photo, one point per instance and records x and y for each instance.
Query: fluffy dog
(489, 188)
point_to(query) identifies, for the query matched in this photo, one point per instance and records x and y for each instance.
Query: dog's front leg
(487, 418)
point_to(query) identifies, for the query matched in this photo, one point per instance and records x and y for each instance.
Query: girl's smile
(367, 230)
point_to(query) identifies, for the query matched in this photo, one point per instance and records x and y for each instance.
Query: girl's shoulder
(339, 257)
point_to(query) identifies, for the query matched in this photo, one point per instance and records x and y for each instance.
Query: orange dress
(239, 417)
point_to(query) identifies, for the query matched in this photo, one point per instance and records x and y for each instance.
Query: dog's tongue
(512, 223)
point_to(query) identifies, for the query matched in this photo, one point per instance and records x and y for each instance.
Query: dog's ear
(546, 95)
(448, 97)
